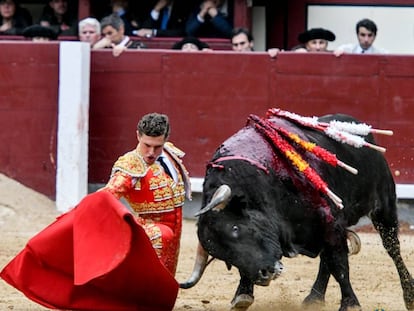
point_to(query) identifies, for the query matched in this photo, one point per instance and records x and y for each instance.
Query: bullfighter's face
(150, 147)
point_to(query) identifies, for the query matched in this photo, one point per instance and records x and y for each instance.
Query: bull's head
(236, 239)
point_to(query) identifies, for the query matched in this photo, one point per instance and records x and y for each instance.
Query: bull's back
(372, 187)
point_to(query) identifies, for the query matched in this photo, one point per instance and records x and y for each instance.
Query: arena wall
(208, 96)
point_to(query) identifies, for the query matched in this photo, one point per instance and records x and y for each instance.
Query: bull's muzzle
(265, 276)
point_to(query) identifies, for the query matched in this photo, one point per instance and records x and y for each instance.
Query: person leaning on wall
(366, 31)
(314, 40)
(242, 40)
(38, 33)
(114, 37)
(191, 44)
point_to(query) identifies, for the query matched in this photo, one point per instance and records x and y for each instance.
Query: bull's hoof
(314, 298)
(241, 302)
(408, 289)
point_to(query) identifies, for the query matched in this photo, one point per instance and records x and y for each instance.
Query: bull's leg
(336, 258)
(317, 294)
(244, 295)
(389, 236)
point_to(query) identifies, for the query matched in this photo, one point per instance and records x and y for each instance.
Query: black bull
(257, 209)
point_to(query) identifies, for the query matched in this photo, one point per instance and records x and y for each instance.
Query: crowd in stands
(122, 26)
(166, 18)
(317, 39)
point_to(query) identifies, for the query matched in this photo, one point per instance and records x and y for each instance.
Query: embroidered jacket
(154, 198)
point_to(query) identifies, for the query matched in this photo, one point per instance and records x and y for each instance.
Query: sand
(24, 212)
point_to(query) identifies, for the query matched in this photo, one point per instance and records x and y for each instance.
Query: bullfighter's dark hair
(368, 24)
(154, 124)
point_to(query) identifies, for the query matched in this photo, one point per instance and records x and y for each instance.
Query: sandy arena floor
(24, 212)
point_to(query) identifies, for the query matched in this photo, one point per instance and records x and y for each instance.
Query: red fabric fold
(95, 257)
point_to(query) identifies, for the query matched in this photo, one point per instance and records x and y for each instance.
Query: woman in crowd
(13, 18)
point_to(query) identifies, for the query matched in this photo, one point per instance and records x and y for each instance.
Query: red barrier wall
(208, 97)
(28, 113)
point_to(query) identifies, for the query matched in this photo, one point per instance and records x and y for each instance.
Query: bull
(257, 208)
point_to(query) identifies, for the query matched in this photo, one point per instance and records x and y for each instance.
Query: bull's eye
(235, 231)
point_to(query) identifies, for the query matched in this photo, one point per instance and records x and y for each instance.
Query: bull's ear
(228, 266)
(288, 249)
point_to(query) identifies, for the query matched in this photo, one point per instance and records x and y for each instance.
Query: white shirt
(169, 165)
(356, 49)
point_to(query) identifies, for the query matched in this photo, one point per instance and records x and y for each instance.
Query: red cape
(95, 257)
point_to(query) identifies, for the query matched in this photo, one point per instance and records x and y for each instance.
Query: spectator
(89, 30)
(57, 16)
(314, 40)
(121, 8)
(113, 30)
(242, 40)
(191, 44)
(167, 19)
(13, 18)
(38, 33)
(366, 31)
(213, 18)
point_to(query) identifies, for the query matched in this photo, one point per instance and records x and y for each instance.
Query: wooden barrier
(208, 96)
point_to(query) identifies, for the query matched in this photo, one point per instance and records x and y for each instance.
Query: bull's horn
(354, 242)
(199, 267)
(218, 201)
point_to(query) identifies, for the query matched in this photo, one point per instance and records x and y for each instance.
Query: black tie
(165, 166)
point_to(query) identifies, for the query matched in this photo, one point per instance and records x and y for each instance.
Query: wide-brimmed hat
(198, 43)
(316, 33)
(39, 31)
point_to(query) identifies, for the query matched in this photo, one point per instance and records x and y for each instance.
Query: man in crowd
(114, 37)
(366, 31)
(89, 30)
(57, 15)
(314, 40)
(242, 40)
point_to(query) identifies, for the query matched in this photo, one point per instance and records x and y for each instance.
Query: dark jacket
(21, 20)
(68, 19)
(220, 26)
(176, 22)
